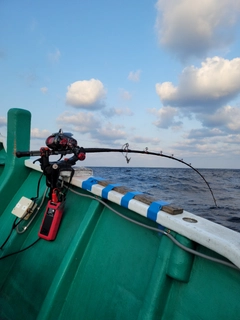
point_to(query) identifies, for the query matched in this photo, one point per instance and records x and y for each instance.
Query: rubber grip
(21, 154)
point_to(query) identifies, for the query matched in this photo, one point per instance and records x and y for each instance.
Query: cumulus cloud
(109, 133)
(227, 118)
(134, 76)
(207, 141)
(219, 135)
(83, 122)
(193, 28)
(88, 123)
(203, 89)
(111, 112)
(86, 94)
(39, 134)
(165, 117)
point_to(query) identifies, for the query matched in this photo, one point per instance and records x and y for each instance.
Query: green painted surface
(211, 293)
(180, 263)
(90, 241)
(18, 138)
(101, 266)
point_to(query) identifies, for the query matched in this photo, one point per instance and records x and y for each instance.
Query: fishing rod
(62, 144)
(127, 150)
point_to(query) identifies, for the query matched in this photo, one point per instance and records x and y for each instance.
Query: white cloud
(166, 90)
(209, 141)
(54, 56)
(203, 89)
(88, 123)
(83, 122)
(192, 28)
(134, 76)
(39, 134)
(125, 95)
(117, 112)
(165, 117)
(227, 118)
(204, 133)
(145, 140)
(88, 94)
(220, 136)
(44, 90)
(109, 133)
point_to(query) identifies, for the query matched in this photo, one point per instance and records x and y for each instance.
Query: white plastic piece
(65, 174)
(82, 171)
(22, 207)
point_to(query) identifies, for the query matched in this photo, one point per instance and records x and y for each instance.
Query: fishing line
(146, 152)
(124, 150)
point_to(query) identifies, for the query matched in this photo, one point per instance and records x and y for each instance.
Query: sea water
(183, 187)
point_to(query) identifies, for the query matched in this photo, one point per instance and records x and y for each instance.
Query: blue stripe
(108, 188)
(154, 208)
(87, 184)
(127, 197)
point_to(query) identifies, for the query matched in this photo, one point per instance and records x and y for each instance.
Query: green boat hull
(101, 266)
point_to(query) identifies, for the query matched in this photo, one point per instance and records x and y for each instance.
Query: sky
(162, 75)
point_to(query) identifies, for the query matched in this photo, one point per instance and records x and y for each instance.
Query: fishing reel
(61, 141)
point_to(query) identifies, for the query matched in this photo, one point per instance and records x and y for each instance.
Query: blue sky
(159, 74)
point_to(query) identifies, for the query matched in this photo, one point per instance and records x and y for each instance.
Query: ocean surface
(183, 187)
